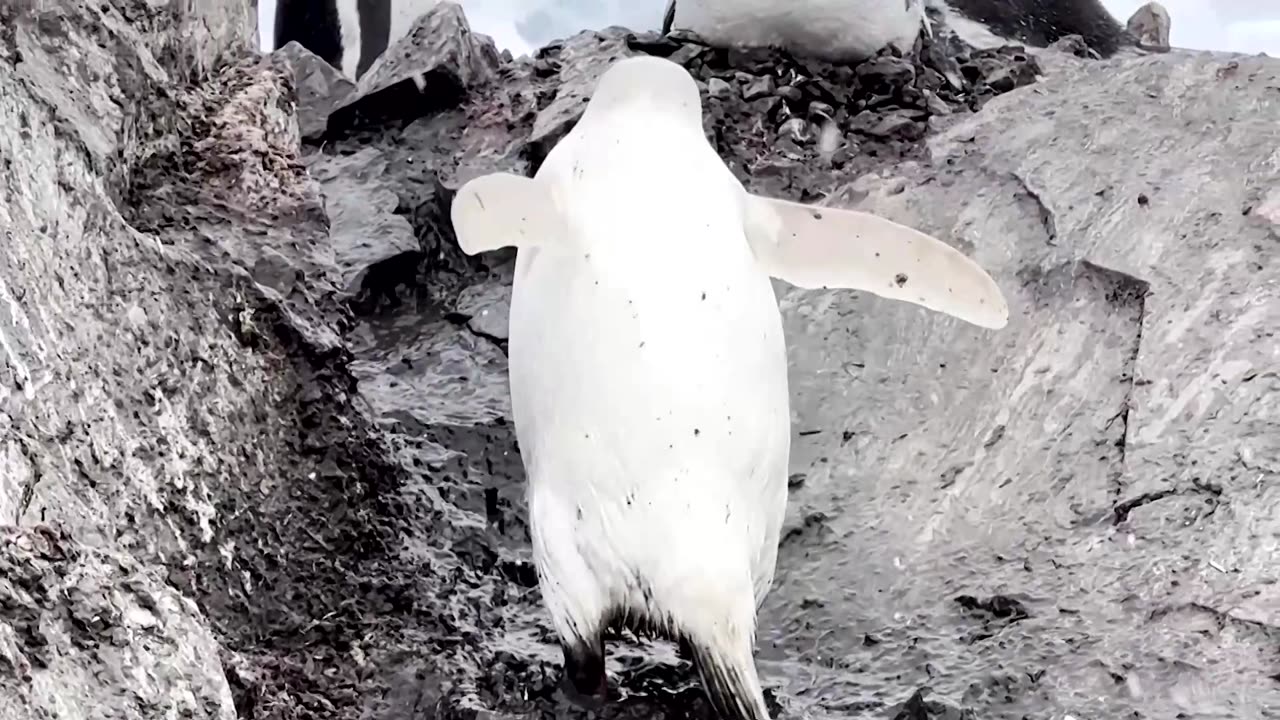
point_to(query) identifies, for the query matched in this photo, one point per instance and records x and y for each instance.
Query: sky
(1248, 26)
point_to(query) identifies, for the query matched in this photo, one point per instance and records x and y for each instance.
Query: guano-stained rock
(431, 67)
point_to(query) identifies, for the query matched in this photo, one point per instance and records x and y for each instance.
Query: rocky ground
(255, 451)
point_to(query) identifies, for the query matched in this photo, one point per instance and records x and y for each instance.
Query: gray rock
(758, 88)
(797, 129)
(935, 104)
(887, 127)
(437, 61)
(719, 88)
(439, 50)
(78, 624)
(579, 61)
(175, 396)
(486, 304)
(886, 71)
(361, 203)
(321, 88)
(790, 93)
(821, 110)
(1268, 211)
(190, 37)
(1150, 24)
(1117, 403)
(1074, 45)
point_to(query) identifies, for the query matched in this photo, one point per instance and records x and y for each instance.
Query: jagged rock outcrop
(255, 451)
(438, 50)
(1150, 25)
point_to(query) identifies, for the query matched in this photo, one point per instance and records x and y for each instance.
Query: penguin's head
(655, 82)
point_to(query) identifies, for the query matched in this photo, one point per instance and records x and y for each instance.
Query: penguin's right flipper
(825, 247)
(505, 210)
(731, 683)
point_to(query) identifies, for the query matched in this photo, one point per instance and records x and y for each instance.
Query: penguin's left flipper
(823, 247)
(500, 210)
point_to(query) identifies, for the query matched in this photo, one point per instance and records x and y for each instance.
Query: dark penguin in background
(980, 23)
(1038, 23)
(318, 25)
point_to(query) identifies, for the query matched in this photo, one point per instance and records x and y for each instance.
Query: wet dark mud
(320, 512)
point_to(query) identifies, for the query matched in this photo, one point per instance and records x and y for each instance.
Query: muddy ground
(1076, 516)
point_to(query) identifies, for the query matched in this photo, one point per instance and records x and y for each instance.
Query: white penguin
(649, 374)
(835, 30)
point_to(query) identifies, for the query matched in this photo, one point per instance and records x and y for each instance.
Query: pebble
(790, 93)
(775, 166)
(765, 106)
(686, 54)
(886, 70)
(829, 138)
(931, 79)
(887, 126)
(797, 129)
(838, 115)
(1001, 81)
(137, 316)
(898, 126)
(718, 88)
(821, 109)
(935, 103)
(1074, 45)
(758, 88)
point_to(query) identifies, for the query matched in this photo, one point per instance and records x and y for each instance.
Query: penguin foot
(585, 681)
(731, 684)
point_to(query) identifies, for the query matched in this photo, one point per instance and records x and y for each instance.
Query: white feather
(349, 29)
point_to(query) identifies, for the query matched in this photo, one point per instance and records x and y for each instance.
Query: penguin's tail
(729, 677)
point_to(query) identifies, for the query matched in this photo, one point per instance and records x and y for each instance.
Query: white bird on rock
(649, 373)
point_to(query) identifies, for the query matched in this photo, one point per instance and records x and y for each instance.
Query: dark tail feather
(731, 683)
